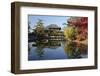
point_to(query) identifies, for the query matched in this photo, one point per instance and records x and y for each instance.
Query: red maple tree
(81, 23)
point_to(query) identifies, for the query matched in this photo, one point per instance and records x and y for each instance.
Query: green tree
(70, 33)
(29, 28)
(39, 27)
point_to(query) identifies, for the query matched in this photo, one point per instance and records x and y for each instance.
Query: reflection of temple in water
(48, 44)
(56, 48)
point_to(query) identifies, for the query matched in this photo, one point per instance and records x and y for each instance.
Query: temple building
(54, 32)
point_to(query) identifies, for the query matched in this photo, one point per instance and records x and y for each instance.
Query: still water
(51, 50)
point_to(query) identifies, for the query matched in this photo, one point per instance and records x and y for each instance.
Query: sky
(47, 20)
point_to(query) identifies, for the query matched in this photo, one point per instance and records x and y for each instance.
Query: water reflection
(75, 50)
(55, 49)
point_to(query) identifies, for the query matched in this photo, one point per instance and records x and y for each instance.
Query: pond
(55, 49)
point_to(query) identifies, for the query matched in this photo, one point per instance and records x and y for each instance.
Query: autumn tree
(81, 23)
(70, 32)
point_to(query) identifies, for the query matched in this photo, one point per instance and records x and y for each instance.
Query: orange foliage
(81, 23)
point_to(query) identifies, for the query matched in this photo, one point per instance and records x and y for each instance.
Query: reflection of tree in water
(43, 44)
(39, 50)
(29, 48)
(74, 50)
